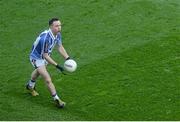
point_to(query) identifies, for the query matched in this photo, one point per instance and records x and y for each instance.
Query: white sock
(55, 97)
(32, 83)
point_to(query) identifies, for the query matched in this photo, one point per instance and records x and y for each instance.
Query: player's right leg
(31, 83)
(44, 73)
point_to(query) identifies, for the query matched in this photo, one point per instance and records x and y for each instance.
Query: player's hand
(60, 68)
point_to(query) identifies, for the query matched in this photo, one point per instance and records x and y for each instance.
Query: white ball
(70, 65)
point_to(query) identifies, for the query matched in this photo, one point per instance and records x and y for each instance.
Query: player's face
(56, 27)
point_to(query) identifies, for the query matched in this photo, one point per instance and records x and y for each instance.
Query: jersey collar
(52, 35)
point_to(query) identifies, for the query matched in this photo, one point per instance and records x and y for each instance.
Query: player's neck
(54, 34)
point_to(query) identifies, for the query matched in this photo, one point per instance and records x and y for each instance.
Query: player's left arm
(63, 52)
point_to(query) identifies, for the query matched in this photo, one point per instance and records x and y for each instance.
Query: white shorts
(38, 62)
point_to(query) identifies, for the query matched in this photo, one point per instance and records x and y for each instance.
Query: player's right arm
(49, 59)
(45, 51)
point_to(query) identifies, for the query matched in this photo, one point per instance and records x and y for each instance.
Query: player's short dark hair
(52, 20)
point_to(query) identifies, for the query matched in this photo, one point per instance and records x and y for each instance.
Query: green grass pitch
(127, 51)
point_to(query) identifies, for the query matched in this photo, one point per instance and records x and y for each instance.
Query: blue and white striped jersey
(44, 43)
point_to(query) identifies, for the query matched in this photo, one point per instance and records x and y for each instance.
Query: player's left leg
(45, 75)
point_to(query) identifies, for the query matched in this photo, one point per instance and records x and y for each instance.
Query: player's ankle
(55, 97)
(31, 84)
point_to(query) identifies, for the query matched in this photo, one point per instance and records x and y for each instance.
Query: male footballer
(40, 57)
